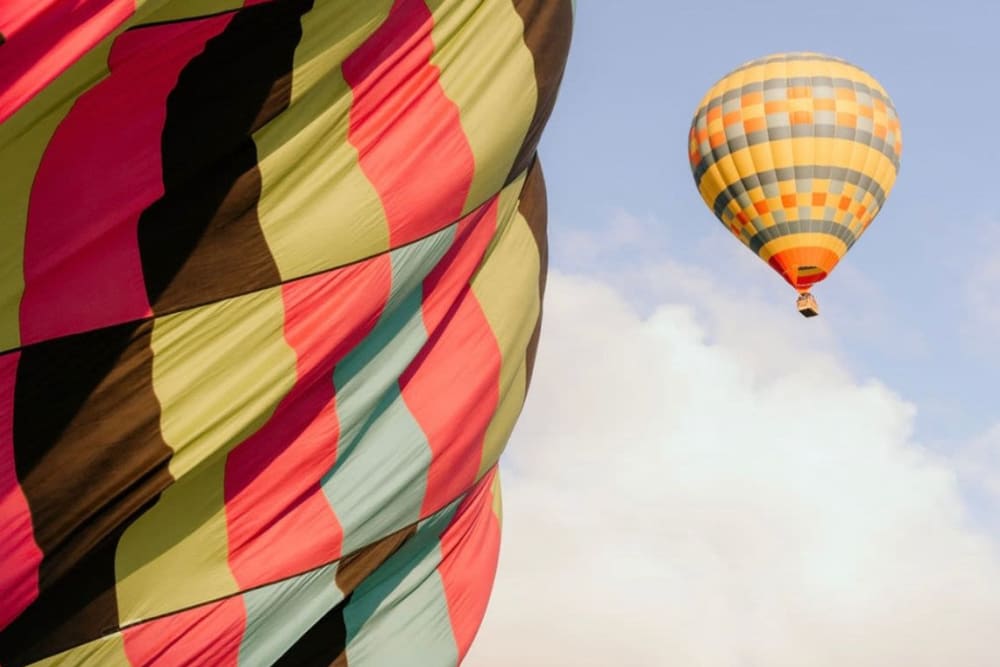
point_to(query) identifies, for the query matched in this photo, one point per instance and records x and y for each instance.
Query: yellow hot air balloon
(796, 153)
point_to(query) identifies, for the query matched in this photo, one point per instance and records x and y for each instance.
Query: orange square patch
(847, 119)
(801, 117)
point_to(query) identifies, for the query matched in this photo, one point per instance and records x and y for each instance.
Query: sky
(700, 475)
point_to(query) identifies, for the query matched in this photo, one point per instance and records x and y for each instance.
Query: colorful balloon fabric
(270, 290)
(796, 153)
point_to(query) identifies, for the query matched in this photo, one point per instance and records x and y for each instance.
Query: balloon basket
(807, 305)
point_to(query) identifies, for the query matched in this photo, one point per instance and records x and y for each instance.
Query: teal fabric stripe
(378, 483)
(279, 614)
(399, 614)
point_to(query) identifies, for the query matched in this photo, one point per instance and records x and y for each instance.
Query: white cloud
(708, 486)
(978, 465)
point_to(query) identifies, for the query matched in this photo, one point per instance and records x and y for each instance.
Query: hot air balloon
(796, 153)
(270, 292)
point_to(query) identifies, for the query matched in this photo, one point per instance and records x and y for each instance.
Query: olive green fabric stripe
(506, 286)
(317, 209)
(105, 652)
(219, 372)
(183, 10)
(487, 70)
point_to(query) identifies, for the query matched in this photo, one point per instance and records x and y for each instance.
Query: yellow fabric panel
(506, 286)
(24, 138)
(745, 165)
(218, 372)
(488, 72)
(762, 157)
(791, 241)
(107, 652)
(317, 209)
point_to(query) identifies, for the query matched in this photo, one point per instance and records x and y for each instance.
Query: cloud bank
(700, 484)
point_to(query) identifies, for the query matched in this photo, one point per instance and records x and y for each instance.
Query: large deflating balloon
(796, 153)
(270, 287)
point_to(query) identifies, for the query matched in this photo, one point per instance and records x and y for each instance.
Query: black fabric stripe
(548, 30)
(326, 641)
(322, 644)
(202, 240)
(90, 459)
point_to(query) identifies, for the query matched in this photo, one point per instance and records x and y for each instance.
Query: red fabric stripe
(19, 554)
(208, 635)
(44, 37)
(102, 168)
(470, 549)
(409, 138)
(452, 386)
(280, 522)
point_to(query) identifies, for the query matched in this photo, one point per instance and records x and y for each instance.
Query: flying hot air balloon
(796, 153)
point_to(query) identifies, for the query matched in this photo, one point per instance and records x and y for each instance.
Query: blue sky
(700, 475)
(617, 141)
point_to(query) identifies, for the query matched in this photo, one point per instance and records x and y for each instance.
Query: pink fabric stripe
(19, 553)
(470, 551)
(280, 521)
(101, 169)
(409, 138)
(208, 635)
(44, 37)
(452, 386)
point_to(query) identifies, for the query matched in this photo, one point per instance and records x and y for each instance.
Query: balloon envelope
(270, 287)
(796, 153)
